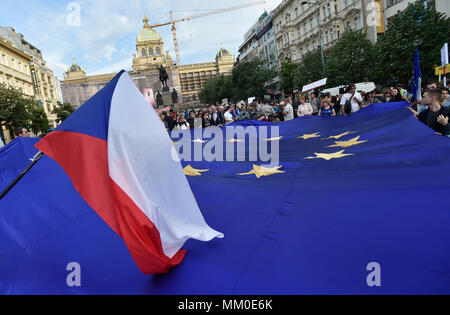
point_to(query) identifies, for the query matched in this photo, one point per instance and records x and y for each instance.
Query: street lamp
(320, 31)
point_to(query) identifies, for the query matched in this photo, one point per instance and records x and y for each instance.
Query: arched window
(158, 51)
(144, 52)
(151, 52)
(356, 22)
(349, 24)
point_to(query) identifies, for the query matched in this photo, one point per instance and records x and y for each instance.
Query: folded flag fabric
(119, 158)
(348, 193)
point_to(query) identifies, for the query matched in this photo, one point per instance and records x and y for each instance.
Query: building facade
(259, 42)
(298, 24)
(186, 80)
(43, 79)
(193, 77)
(392, 7)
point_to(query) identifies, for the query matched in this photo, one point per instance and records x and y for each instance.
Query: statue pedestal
(167, 98)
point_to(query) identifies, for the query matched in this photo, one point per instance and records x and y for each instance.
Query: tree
(63, 111)
(415, 27)
(351, 60)
(287, 76)
(13, 108)
(38, 117)
(252, 79)
(310, 69)
(249, 79)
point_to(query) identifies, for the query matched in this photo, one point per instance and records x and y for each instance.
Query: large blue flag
(348, 194)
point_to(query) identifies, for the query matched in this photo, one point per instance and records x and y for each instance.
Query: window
(349, 24)
(347, 3)
(356, 22)
(151, 52)
(296, 12)
(329, 9)
(144, 52)
(158, 51)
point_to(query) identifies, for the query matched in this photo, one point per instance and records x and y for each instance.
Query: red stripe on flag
(85, 160)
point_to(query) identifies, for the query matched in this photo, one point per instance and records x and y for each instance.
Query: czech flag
(121, 160)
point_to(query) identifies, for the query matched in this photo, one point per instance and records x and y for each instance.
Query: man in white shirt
(355, 97)
(288, 111)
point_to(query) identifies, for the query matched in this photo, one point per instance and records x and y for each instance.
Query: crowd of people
(432, 110)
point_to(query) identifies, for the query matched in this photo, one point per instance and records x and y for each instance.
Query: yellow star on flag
(235, 140)
(261, 171)
(199, 141)
(347, 144)
(190, 171)
(330, 156)
(309, 136)
(340, 136)
(274, 139)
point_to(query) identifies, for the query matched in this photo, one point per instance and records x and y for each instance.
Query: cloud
(106, 38)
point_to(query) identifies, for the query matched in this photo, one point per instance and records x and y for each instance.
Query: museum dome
(148, 33)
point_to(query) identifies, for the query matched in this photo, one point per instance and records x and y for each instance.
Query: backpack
(348, 105)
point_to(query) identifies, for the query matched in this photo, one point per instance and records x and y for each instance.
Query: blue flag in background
(348, 192)
(416, 83)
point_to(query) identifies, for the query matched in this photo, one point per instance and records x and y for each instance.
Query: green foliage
(288, 73)
(352, 59)
(310, 70)
(39, 121)
(249, 79)
(252, 79)
(17, 110)
(415, 27)
(63, 111)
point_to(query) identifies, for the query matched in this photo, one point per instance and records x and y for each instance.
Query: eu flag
(356, 205)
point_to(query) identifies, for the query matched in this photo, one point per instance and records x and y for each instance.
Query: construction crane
(196, 16)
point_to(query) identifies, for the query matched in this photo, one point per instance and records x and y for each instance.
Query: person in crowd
(378, 95)
(435, 116)
(403, 93)
(191, 119)
(267, 110)
(432, 85)
(217, 118)
(22, 132)
(228, 115)
(387, 95)
(369, 99)
(396, 96)
(315, 103)
(205, 120)
(253, 112)
(244, 114)
(162, 116)
(445, 98)
(279, 111)
(288, 111)
(304, 109)
(326, 109)
(354, 98)
(295, 105)
(235, 112)
(182, 124)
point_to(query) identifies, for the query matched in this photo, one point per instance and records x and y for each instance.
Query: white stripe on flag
(140, 162)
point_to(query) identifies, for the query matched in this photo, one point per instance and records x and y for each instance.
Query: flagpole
(34, 160)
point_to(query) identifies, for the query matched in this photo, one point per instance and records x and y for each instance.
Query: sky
(103, 39)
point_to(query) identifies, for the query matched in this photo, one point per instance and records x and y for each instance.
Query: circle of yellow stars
(261, 171)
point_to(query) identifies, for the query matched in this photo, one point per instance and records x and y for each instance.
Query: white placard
(314, 85)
